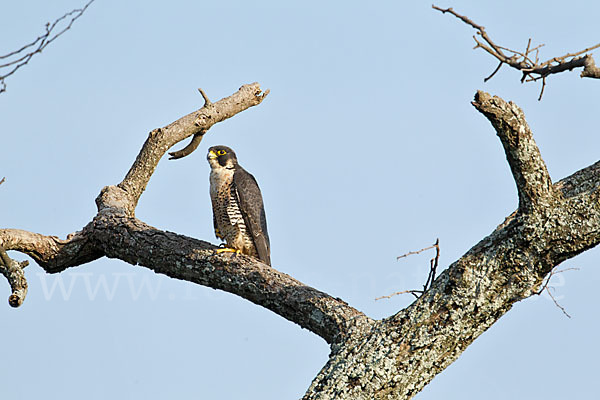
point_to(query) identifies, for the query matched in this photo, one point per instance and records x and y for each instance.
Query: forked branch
(389, 358)
(433, 265)
(116, 233)
(194, 124)
(398, 357)
(528, 61)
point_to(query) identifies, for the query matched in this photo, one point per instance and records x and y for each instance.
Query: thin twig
(207, 102)
(187, 150)
(196, 139)
(569, 55)
(433, 264)
(2, 180)
(413, 292)
(550, 275)
(36, 46)
(527, 48)
(547, 288)
(543, 87)
(566, 269)
(410, 253)
(494, 73)
(556, 303)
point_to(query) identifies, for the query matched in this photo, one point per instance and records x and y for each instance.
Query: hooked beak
(211, 155)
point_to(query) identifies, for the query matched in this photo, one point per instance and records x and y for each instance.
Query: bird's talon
(227, 250)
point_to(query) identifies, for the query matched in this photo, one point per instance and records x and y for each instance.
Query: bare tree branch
(390, 358)
(13, 272)
(18, 58)
(433, 264)
(410, 253)
(529, 170)
(399, 355)
(115, 233)
(197, 261)
(545, 287)
(532, 70)
(197, 138)
(189, 149)
(118, 236)
(50, 252)
(161, 139)
(556, 303)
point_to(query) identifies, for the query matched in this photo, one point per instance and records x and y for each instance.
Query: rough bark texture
(396, 357)
(196, 261)
(393, 358)
(13, 272)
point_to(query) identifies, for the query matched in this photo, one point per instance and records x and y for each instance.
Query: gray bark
(393, 358)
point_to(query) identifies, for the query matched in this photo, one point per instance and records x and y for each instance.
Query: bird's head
(221, 157)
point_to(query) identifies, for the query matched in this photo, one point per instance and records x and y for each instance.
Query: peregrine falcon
(238, 211)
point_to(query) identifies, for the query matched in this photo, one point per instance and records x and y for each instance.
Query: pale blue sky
(366, 148)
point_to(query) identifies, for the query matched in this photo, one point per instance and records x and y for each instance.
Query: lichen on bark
(392, 358)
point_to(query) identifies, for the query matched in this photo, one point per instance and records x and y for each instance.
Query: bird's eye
(221, 152)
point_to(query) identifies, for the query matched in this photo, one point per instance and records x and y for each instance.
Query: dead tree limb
(397, 356)
(410, 253)
(529, 170)
(116, 233)
(197, 138)
(532, 69)
(13, 272)
(392, 358)
(161, 139)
